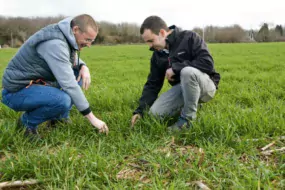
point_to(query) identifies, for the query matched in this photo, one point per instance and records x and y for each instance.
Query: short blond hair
(83, 22)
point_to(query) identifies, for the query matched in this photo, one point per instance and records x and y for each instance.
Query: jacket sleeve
(202, 58)
(56, 55)
(151, 88)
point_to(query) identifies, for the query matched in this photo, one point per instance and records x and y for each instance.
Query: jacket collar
(171, 38)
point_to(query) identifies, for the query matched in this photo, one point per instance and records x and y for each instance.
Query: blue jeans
(40, 103)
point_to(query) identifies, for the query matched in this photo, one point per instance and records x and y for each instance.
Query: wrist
(90, 116)
(81, 65)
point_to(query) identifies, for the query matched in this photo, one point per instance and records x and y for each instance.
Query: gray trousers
(195, 87)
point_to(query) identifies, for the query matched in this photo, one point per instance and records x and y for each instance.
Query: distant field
(250, 104)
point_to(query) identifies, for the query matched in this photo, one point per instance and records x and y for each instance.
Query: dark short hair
(84, 21)
(153, 23)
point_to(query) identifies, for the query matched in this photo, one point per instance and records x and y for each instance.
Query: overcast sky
(184, 13)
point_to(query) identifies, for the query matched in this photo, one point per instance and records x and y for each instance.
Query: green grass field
(221, 149)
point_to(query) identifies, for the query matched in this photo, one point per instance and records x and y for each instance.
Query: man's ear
(163, 33)
(75, 29)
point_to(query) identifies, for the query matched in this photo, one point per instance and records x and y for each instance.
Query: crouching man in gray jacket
(42, 78)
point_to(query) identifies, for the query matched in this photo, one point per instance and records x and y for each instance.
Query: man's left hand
(169, 74)
(84, 74)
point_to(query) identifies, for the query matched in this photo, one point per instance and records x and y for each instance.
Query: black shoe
(30, 133)
(54, 123)
(181, 124)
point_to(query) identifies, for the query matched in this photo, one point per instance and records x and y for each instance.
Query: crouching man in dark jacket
(184, 59)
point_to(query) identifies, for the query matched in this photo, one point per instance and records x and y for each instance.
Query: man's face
(153, 40)
(84, 39)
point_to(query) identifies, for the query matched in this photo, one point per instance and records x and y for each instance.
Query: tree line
(14, 31)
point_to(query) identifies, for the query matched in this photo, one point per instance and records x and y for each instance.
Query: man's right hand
(84, 74)
(134, 119)
(100, 125)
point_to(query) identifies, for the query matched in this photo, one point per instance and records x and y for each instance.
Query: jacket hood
(65, 27)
